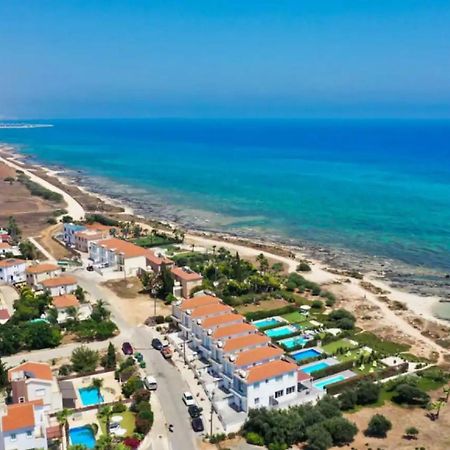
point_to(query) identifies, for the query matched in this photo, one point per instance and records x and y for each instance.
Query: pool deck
(280, 320)
(328, 361)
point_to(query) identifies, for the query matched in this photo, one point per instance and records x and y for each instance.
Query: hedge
(331, 370)
(257, 315)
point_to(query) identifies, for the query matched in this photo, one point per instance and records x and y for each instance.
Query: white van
(150, 383)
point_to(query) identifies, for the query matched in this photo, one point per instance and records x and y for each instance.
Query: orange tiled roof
(38, 370)
(90, 234)
(20, 415)
(4, 245)
(250, 340)
(184, 275)
(255, 355)
(196, 302)
(9, 262)
(59, 281)
(65, 301)
(127, 249)
(231, 330)
(270, 370)
(209, 310)
(158, 260)
(221, 320)
(41, 268)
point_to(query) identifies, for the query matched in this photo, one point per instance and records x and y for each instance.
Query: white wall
(13, 274)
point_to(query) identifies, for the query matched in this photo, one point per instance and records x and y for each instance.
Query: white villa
(12, 271)
(64, 304)
(36, 273)
(65, 284)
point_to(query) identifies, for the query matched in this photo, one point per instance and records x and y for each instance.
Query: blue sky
(211, 58)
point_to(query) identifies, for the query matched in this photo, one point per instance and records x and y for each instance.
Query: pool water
(82, 436)
(305, 354)
(315, 367)
(269, 322)
(294, 342)
(324, 383)
(90, 396)
(281, 331)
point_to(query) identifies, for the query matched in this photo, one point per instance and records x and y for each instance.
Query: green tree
(3, 375)
(97, 383)
(99, 311)
(28, 250)
(411, 395)
(84, 360)
(378, 426)
(411, 433)
(67, 219)
(303, 267)
(348, 399)
(436, 408)
(263, 262)
(106, 413)
(80, 294)
(254, 438)
(341, 430)
(63, 419)
(318, 438)
(39, 335)
(367, 392)
(13, 229)
(104, 442)
(166, 282)
(109, 361)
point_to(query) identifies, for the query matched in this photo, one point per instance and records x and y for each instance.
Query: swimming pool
(268, 322)
(90, 396)
(315, 367)
(82, 436)
(281, 331)
(305, 354)
(293, 341)
(328, 381)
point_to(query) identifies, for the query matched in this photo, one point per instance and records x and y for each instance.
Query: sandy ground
(45, 238)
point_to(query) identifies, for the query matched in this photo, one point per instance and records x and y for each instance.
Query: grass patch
(379, 345)
(333, 347)
(294, 317)
(127, 422)
(153, 241)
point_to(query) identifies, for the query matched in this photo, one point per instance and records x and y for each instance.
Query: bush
(257, 315)
(119, 408)
(254, 439)
(410, 395)
(84, 360)
(341, 430)
(367, 392)
(341, 318)
(318, 438)
(317, 304)
(378, 426)
(141, 395)
(65, 370)
(159, 320)
(132, 385)
(304, 267)
(348, 400)
(216, 438)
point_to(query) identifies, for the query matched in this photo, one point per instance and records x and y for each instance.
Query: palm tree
(97, 383)
(63, 419)
(446, 390)
(106, 413)
(104, 442)
(437, 405)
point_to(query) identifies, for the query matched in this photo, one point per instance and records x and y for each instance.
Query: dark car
(90, 268)
(157, 344)
(197, 424)
(127, 348)
(194, 411)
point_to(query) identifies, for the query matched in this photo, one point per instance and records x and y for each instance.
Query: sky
(224, 58)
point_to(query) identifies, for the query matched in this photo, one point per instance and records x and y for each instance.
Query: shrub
(317, 304)
(342, 318)
(84, 360)
(378, 426)
(341, 430)
(119, 408)
(304, 267)
(254, 439)
(347, 400)
(411, 395)
(318, 438)
(367, 392)
(64, 370)
(159, 319)
(141, 395)
(411, 432)
(133, 384)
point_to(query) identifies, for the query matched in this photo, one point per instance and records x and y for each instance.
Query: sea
(365, 191)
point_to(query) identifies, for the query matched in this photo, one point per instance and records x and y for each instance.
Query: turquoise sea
(378, 188)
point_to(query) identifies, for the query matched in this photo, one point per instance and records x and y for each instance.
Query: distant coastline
(12, 126)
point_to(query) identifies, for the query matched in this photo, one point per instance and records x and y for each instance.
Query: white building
(65, 284)
(69, 233)
(7, 248)
(12, 271)
(84, 239)
(36, 273)
(185, 279)
(33, 381)
(23, 426)
(65, 303)
(119, 255)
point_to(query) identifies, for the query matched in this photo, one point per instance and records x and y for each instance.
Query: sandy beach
(373, 294)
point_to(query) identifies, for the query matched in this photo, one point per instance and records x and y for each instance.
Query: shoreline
(322, 273)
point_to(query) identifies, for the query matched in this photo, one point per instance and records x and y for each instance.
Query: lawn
(153, 241)
(379, 345)
(294, 317)
(127, 422)
(332, 347)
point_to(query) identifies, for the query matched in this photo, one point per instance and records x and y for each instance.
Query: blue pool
(305, 354)
(328, 381)
(281, 331)
(90, 396)
(82, 436)
(268, 322)
(293, 342)
(315, 367)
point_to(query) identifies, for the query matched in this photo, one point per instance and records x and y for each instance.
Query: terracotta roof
(65, 301)
(269, 370)
(4, 245)
(196, 302)
(35, 369)
(90, 235)
(250, 340)
(19, 415)
(127, 249)
(303, 376)
(41, 268)
(257, 354)
(59, 281)
(9, 262)
(158, 260)
(185, 275)
(221, 320)
(209, 310)
(4, 314)
(231, 330)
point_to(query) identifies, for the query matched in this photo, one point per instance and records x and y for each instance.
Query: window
(257, 401)
(278, 378)
(29, 434)
(40, 392)
(290, 390)
(256, 385)
(21, 399)
(13, 436)
(279, 393)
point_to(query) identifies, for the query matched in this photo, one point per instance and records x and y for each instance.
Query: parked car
(197, 424)
(188, 399)
(194, 411)
(90, 268)
(157, 344)
(150, 383)
(166, 351)
(127, 348)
